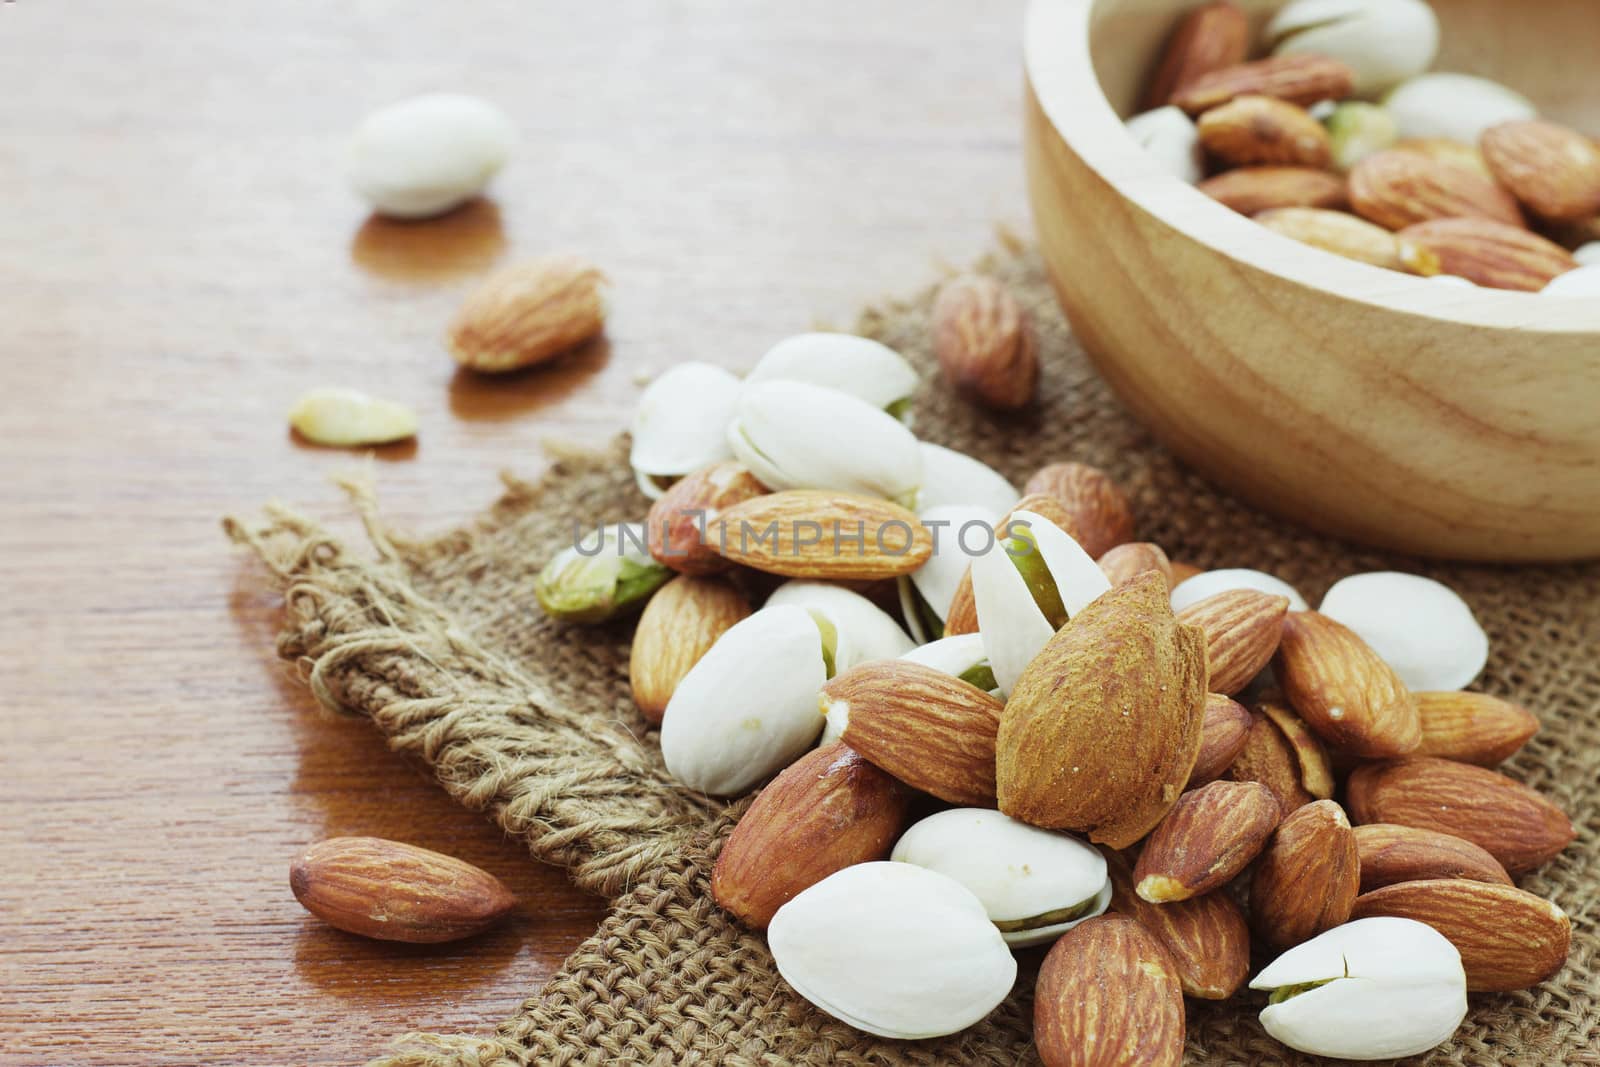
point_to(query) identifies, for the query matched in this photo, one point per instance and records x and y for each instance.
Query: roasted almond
(1339, 233)
(1207, 937)
(676, 526)
(1301, 78)
(1344, 690)
(528, 313)
(1210, 835)
(1284, 755)
(679, 625)
(1242, 627)
(1553, 170)
(1397, 188)
(1134, 558)
(1099, 516)
(932, 731)
(821, 533)
(1223, 733)
(1508, 938)
(962, 618)
(1125, 1009)
(1210, 37)
(1514, 824)
(1484, 252)
(1253, 190)
(1307, 878)
(1473, 727)
(396, 892)
(984, 342)
(1393, 853)
(1253, 130)
(829, 810)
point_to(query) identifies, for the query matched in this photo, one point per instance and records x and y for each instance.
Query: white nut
(958, 656)
(937, 580)
(1210, 583)
(1454, 106)
(1583, 282)
(681, 424)
(951, 478)
(1587, 255)
(346, 417)
(863, 631)
(426, 155)
(1382, 41)
(859, 366)
(1173, 139)
(892, 949)
(1035, 884)
(1420, 627)
(1373, 989)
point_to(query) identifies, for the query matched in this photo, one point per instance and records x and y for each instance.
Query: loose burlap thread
(440, 642)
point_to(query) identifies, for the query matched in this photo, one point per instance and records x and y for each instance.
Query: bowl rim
(1060, 71)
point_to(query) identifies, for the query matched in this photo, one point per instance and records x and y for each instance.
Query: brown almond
(1242, 627)
(1256, 130)
(1134, 558)
(528, 313)
(823, 534)
(1483, 252)
(1301, 78)
(1316, 768)
(1339, 233)
(1210, 37)
(1514, 824)
(1446, 150)
(1210, 835)
(1100, 516)
(1254, 190)
(1125, 1009)
(1223, 733)
(1393, 853)
(1344, 690)
(1473, 727)
(962, 618)
(829, 810)
(396, 892)
(985, 343)
(1553, 170)
(1282, 754)
(1308, 876)
(1396, 189)
(934, 732)
(679, 625)
(1207, 937)
(676, 526)
(1183, 570)
(1508, 938)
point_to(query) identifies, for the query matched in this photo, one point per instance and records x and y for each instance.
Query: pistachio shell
(1172, 138)
(681, 423)
(859, 366)
(1584, 282)
(426, 155)
(953, 655)
(938, 579)
(864, 630)
(1418, 626)
(1210, 583)
(1458, 107)
(1381, 41)
(951, 478)
(601, 577)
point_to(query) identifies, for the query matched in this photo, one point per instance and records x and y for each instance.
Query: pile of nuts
(1085, 744)
(1341, 140)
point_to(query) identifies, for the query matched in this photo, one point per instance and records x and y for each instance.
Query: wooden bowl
(1396, 411)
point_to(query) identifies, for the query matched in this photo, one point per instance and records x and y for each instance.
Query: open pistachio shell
(1382, 41)
(681, 424)
(859, 366)
(864, 630)
(952, 479)
(604, 575)
(1210, 583)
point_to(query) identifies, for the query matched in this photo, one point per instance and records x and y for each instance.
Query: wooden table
(180, 257)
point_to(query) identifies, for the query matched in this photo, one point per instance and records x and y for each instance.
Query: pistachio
(1210, 583)
(961, 656)
(863, 630)
(1458, 107)
(1381, 41)
(955, 479)
(602, 576)
(1582, 283)
(1173, 139)
(957, 530)
(860, 366)
(346, 417)
(1357, 129)
(426, 155)
(1587, 255)
(680, 425)
(1420, 627)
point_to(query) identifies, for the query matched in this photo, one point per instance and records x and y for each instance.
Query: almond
(1553, 170)
(1207, 937)
(985, 343)
(829, 810)
(1508, 939)
(396, 892)
(1210, 835)
(1127, 1008)
(1211, 37)
(1182, 571)
(1223, 733)
(1473, 727)
(1284, 755)
(1301, 78)
(1308, 876)
(1397, 188)
(1099, 515)
(1334, 231)
(1251, 130)
(1242, 627)
(1444, 150)
(677, 522)
(1343, 690)
(1393, 853)
(527, 314)
(679, 625)
(1514, 824)
(821, 533)
(932, 731)
(1134, 558)
(962, 617)
(1253, 190)
(1102, 729)
(1486, 253)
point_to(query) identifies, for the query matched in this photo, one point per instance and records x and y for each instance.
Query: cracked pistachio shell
(1379, 989)
(938, 579)
(681, 423)
(1210, 583)
(1418, 626)
(1035, 884)
(1172, 138)
(893, 949)
(600, 578)
(859, 366)
(952, 479)
(1458, 107)
(1382, 41)
(748, 708)
(863, 630)
(955, 656)
(794, 435)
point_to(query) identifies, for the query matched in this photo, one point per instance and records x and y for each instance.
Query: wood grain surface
(180, 258)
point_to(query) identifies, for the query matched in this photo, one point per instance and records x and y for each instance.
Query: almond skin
(1127, 561)
(1126, 1009)
(1554, 170)
(678, 626)
(1334, 231)
(1486, 253)
(396, 892)
(1473, 727)
(962, 617)
(985, 343)
(1344, 690)
(1210, 835)
(1393, 853)
(1242, 627)
(1101, 517)
(1211, 37)
(1223, 733)
(820, 533)
(1253, 190)
(678, 519)
(1207, 937)
(1508, 939)
(1307, 878)
(829, 810)
(1283, 754)
(1397, 188)
(1301, 78)
(931, 731)
(527, 314)
(1252, 130)
(1514, 824)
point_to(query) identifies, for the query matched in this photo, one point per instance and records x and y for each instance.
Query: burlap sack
(441, 644)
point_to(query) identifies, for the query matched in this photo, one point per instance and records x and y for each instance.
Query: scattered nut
(527, 314)
(345, 417)
(985, 343)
